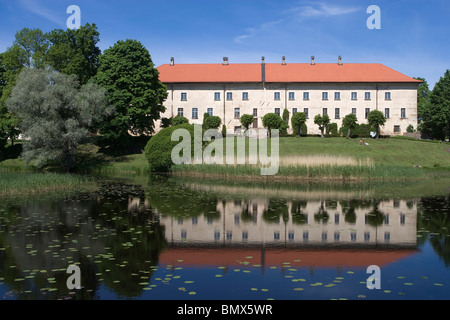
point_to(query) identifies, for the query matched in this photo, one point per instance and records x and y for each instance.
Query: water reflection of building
(297, 223)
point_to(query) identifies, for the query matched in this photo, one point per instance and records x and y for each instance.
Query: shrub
(332, 130)
(179, 120)
(159, 149)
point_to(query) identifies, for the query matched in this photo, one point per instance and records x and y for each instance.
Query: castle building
(230, 90)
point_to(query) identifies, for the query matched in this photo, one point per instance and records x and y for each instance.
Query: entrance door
(255, 123)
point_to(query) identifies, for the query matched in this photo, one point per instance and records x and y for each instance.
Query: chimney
(225, 61)
(172, 61)
(263, 69)
(340, 61)
(283, 60)
(313, 60)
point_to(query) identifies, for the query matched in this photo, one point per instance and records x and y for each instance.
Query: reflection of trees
(177, 200)
(435, 225)
(375, 217)
(298, 215)
(95, 231)
(321, 215)
(277, 208)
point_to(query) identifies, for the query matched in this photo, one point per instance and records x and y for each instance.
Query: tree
(423, 98)
(247, 120)
(272, 121)
(74, 52)
(56, 114)
(376, 119)
(436, 118)
(33, 46)
(350, 121)
(159, 149)
(179, 120)
(212, 122)
(322, 122)
(128, 74)
(298, 120)
(286, 115)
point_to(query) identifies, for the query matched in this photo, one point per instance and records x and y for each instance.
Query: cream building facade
(231, 90)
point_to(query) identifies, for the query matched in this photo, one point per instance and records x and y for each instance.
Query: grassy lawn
(301, 158)
(340, 158)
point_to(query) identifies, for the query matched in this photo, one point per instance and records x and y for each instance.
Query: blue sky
(414, 35)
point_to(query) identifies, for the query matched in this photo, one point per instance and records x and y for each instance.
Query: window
(324, 95)
(337, 96)
(367, 96)
(354, 111)
(397, 129)
(237, 113)
(210, 111)
(294, 110)
(402, 219)
(354, 95)
(276, 235)
(403, 113)
(306, 111)
(324, 111)
(244, 235)
(337, 113)
(180, 112)
(276, 96)
(367, 112)
(386, 113)
(277, 111)
(183, 96)
(305, 95)
(229, 235)
(194, 113)
(291, 95)
(244, 95)
(387, 96)
(216, 96)
(216, 235)
(255, 112)
(229, 96)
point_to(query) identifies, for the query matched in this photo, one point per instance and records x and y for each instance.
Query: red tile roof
(277, 257)
(291, 72)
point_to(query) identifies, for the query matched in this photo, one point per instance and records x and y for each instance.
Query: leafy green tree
(179, 120)
(159, 149)
(272, 121)
(246, 120)
(212, 122)
(286, 115)
(128, 74)
(350, 121)
(436, 118)
(423, 98)
(56, 114)
(322, 122)
(32, 45)
(376, 119)
(74, 52)
(298, 121)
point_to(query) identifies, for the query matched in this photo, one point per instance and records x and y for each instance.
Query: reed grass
(33, 184)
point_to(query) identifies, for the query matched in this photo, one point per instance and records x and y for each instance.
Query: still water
(170, 239)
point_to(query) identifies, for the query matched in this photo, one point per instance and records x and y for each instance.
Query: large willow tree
(56, 114)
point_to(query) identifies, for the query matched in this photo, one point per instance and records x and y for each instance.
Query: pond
(179, 239)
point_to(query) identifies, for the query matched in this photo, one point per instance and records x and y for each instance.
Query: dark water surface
(166, 239)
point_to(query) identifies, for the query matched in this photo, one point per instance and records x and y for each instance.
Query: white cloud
(308, 10)
(38, 9)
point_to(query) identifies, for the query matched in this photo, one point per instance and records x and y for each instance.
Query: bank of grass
(25, 184)
(313, 158)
